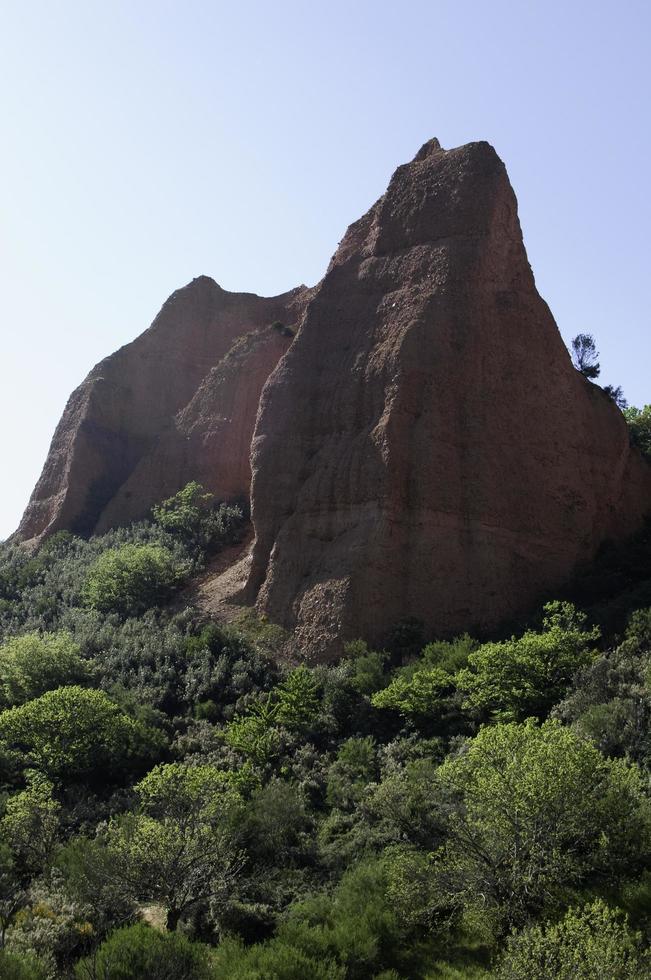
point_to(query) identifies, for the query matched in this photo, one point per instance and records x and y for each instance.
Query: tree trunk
(173, 916)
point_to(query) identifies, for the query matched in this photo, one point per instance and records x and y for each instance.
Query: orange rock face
(139, 427)
(425, 448)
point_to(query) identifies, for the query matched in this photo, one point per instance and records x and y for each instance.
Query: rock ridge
(418, 444)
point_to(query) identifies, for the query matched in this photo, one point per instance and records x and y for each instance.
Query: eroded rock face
(425, 447)
(179, 403)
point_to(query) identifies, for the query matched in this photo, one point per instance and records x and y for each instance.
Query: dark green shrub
(139, 952)
(639, 424)
(21, 966)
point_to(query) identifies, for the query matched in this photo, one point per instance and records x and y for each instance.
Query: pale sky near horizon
(145, 143)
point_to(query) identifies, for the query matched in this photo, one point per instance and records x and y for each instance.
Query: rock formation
(179, 403)
(425, 448)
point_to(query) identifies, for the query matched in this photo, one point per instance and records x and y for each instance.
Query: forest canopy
(181, 800)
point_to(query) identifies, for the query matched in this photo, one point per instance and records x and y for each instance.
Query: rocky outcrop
(425, 447)
(179, 403)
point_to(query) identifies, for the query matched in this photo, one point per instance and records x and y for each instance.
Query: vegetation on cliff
(179, 802)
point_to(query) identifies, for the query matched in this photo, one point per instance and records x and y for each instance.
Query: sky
(146, 143)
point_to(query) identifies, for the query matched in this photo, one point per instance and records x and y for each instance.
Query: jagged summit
(121, 444)
(407, 459)
(435, 473)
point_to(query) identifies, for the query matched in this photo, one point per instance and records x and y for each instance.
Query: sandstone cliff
(425, 447)
(138, 428)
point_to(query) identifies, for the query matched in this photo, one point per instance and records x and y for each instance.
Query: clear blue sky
(145, 143)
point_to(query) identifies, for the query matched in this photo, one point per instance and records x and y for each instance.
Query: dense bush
(191, 514)
(639, 423)
(586, 944)
(131, 578)
(536, 813)
(139, 952)
(75, 734)
(34, 663)
(525, 676)
(388, 816)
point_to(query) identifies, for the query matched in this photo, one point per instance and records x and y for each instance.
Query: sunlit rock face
(418, 440)
(425, 448)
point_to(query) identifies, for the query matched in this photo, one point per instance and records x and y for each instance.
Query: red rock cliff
(425, 447)
(138, 428)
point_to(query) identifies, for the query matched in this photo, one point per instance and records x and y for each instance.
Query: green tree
(639, 424)
(367, 674)
(139, 952)
(592, 943)
(132, 578)
(298, 700)
(178, 849)
(354, 768)
(255, 734)
(525, 676)
(538, 812)
(419, 694)
(28, 831)
(191, 513)
(34, 663)
(21, 966)
(76, 734)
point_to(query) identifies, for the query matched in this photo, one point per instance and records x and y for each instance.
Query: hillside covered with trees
(179, 802)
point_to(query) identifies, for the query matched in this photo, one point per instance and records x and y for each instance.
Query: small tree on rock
(585, 355)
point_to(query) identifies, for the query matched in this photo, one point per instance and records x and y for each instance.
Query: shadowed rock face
(425, 447)
(179, 403)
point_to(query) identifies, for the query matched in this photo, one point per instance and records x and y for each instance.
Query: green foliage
(639, 424)
(526, 676)
(16, 966)
(132, 578)
(587, 943)
(177, 849)
(254, 735)
(424, 690)
(222, 666)
(35, 663)
(611, 699)
(355, 767)
(275, 959)
(76, 734)
(537, 813)
(367, 673)
(295, 827)
(191, 514)
(294, 705)
(276, 823)
(297, 700)
(449, 655)
(419, 693)
(30, 824)
(356, 926)
(139, 952)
